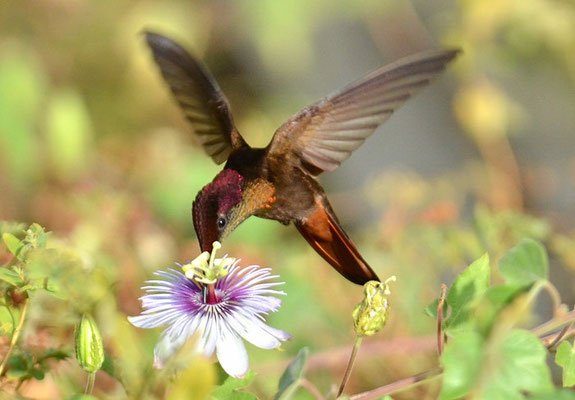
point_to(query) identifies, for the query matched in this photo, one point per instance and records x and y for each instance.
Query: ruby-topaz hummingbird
(279, 181)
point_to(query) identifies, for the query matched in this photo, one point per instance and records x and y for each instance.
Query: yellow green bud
(89, 347)
(370, 316)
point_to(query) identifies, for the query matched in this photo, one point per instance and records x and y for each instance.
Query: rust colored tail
(323, 233)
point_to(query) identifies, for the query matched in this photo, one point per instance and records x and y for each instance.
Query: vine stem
(554, 323)
(440, 319)
(15, 336)
(349, 366)
(403, 384)
(90, 383)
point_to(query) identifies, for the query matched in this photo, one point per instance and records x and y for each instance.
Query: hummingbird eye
(221, 222)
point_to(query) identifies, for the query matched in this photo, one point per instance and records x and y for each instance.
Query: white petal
(166, 347)
(256, 332)
(232, 353)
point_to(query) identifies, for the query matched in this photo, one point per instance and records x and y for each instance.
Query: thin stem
(90, 383)
(560, 335)
(555, 297)
(404, 384)
(15, 335)
(349, 366)
(440, 304)
(310, 387)
(554, 323)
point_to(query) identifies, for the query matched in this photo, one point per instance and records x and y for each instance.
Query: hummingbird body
(279, 181)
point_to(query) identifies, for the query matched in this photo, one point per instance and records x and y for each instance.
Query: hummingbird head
(225, 203)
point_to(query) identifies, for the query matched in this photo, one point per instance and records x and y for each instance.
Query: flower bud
(370, 316)
(89, 347)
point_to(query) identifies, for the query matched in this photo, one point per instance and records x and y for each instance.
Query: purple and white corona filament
(243, 297)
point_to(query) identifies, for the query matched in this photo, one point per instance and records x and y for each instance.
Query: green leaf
(229, 389)
(11, 277)
(55, 354)
(431, 309)
(36, 236)
(557, 394)
(516, 364)
(14, 245)
(288, 383)
(525, 263)
(83, 397)
(18, 366)
(461, 361)
(469, 286)
(495, 299)
(565, 358)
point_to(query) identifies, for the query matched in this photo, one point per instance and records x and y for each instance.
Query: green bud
(89, 347)
(370, 316)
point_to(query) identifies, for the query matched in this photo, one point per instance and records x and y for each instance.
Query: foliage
(93, 149)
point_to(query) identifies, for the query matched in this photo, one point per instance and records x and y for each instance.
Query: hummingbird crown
(212, 204)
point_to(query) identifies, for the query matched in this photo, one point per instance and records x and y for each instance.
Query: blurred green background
(93, 148)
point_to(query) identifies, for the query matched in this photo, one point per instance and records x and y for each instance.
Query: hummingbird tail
(324, 234)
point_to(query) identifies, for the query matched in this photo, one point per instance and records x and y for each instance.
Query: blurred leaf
(515, 364)
(565, 358)
(83, 397)
(68, 133)
(229, 389)
(195, 382)
(56, 354)
(525, 263)
(467, 288)
(288, 383)
(11, 277)
(14, 245)
(23, 85)
(6, 322)
(495, 299)
(109, 367)
(461, 361)
(557, 394)
(431, 309)
(36, 236)
(19, 365)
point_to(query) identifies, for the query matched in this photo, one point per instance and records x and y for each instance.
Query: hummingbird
(279, 182)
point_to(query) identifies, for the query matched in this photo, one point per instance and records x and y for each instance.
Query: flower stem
(407, 383)
(349, 366)
(440, 319)
(90, 383)
(15, 335)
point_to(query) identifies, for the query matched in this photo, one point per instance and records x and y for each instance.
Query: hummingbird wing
(199, 96)
(323, 232)
(324, 134)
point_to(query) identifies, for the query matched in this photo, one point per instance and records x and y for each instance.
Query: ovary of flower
(371, 314)
(206, 268)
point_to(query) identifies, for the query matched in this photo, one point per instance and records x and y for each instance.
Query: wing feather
(324, 134)
(199, 96)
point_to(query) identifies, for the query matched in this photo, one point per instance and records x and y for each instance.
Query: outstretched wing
(199, 96)
(325, 134)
